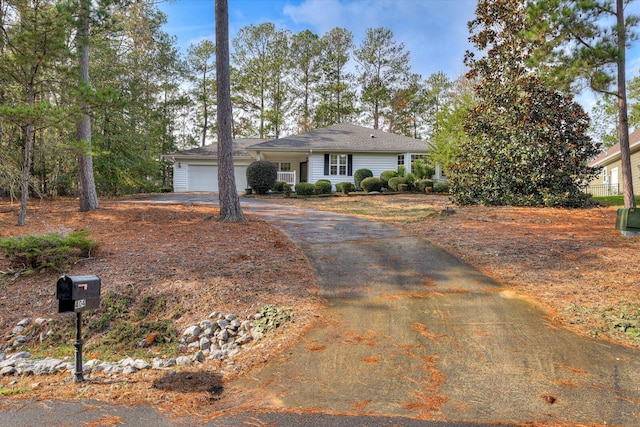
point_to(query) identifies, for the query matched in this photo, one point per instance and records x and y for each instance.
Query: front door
(304, 171)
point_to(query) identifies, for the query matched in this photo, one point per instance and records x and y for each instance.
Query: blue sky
(434, 31)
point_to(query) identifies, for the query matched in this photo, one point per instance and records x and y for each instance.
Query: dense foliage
(305, 189)
(527, 143)
(323, 186)
(371, 184)
(361, 174)
(262, 176)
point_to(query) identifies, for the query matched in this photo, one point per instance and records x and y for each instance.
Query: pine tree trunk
(26, 170)
(625, 150)
(86, 181)
(230, 210)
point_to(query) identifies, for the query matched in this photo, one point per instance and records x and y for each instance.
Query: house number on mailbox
(80, 303)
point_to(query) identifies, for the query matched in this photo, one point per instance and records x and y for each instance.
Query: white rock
(127, 370)
(183, 360)
(24, 322)
(141, 364)
(127, 361)
(193, 331)
(20, 355)
(8, 370)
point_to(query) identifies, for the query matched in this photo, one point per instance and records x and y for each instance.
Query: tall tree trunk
(230, 210)
(625, 151)
(86, 181)
(26, 167)
(205, 105)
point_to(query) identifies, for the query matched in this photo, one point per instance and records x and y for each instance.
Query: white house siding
(376, 163)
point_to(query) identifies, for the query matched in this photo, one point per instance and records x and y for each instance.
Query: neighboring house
(610, 180)
(333, 153)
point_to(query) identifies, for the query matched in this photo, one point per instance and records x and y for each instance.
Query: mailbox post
(77, 294)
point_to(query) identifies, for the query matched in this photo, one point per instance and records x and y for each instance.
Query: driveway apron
(412, 331)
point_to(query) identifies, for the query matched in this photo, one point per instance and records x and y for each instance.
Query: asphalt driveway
(414, 333)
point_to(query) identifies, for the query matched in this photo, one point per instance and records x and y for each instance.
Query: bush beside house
(262, 176)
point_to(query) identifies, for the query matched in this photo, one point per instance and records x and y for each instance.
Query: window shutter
(326, 164)
(350, 165)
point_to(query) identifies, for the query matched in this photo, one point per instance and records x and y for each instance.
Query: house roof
(239, 149)
(344, 138)
(613, 153)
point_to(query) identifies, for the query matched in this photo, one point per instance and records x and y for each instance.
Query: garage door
(205, 178)
(202, 178)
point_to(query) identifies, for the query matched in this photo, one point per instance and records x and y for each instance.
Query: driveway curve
(412, 331)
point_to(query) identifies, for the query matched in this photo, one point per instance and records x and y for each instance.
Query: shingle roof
(614, 152)
(211, 150)
(342, 138)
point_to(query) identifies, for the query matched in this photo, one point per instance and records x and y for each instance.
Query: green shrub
(279, 186)
(386, 176)
(345, 187)
(305, 189)
(402, 170)
(371, 184)
(33, 253)
(403, 187)
(441, 187)
(361, 174)
(262, 176)
(394, 182)
(323, 186)
(422, 170)
(422, 184)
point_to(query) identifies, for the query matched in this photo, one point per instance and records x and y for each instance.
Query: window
(400, 159)
(284, 167)
(338, 164)
(422, 157)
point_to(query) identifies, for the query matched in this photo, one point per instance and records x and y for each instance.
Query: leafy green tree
(135, 70)
(201, 63)
(34, 36)
(448, 129)
(305, 73)
(580, 41)
(527, 144)
(260, 55)
(383, 67)
(604, 121)
(407, 105)
(337, 97)
(437, 96)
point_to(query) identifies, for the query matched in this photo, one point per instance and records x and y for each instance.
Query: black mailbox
(78, 293)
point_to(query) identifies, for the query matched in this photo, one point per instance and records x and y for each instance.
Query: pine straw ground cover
(573, 261)
(161, 267)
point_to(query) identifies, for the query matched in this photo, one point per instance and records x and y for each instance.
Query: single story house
(333, 153)
(610, 180)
